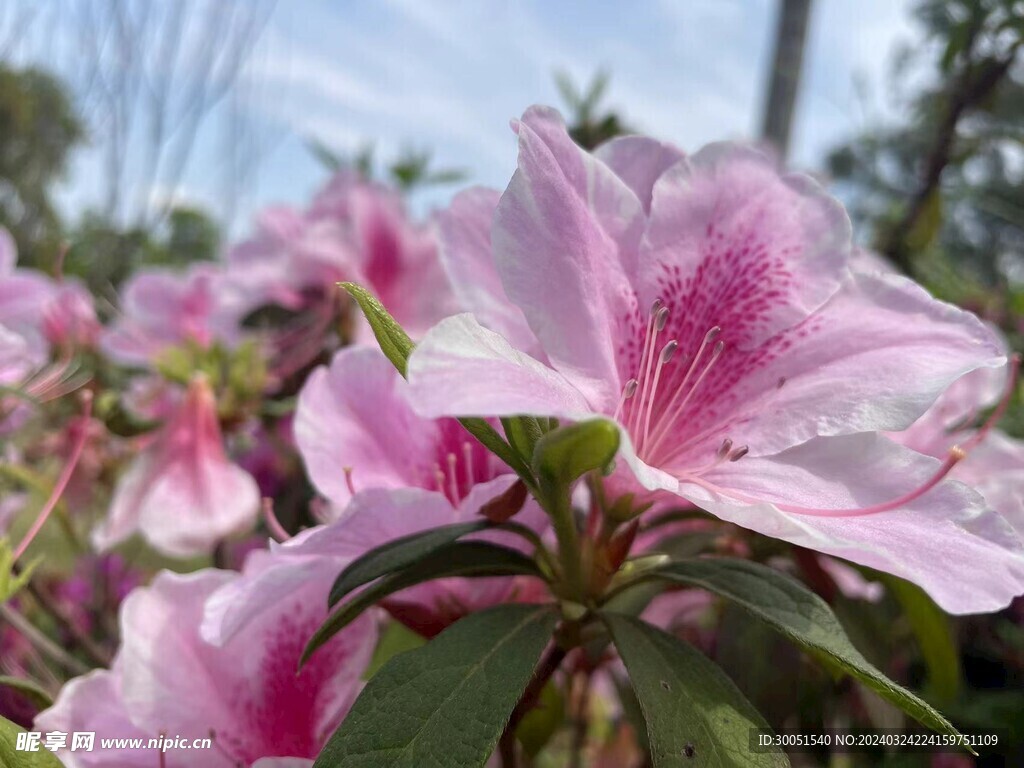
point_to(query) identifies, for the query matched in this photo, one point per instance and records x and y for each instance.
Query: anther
(712, 334)
(725, 447)
(667, 351)
(739, 453)
(661, 319)
(630, 389)
(348, 480)
(453, 479)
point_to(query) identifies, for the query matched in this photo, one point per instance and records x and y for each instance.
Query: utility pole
(784, 79)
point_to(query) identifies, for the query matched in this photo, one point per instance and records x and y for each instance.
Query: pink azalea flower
(387, 473)
(182, 493)
(163, 309)
(245, 695)
(45, 311)
(354, 230)
(748, 368)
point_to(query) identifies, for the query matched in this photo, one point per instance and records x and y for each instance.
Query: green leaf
(12, 758)
(398, 554)
(444, 704)
(465, 559)
(934, 634)
(30, 689)
(394, 341)
(695, 715)
(800, 615)
(395, 638)
(567, 453)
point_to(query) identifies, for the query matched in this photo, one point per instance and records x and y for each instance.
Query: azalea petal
(269, 579)
(918, 541)
(461, 368)
(893, 348)
(92, 703)
(465, 234)
(639, 161)
(351, 416)
(565, 239)
(372, 518)
(731, 243)
(995, 468)
(189, 508)
(158, 625)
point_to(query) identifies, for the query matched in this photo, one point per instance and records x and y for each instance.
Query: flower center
(652, 412)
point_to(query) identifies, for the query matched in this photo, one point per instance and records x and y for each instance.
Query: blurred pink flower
(748, 368)
(182, 493)
(388, 473)
(245, 695)
(354, 230)
(161, 309)
(44, 311)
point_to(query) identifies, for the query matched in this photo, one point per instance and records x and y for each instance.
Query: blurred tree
(104, 254)
(784, 77)
(942, 193)
(38, 129)
(410, 170)
(589, 126)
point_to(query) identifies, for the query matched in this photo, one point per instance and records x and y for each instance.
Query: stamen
(627, 392)
(63, 479)
(453, 478)
(656, 324)
(467, 457)
(725, 447)
(348, 480)
(273, 524)
(739, 453)
(1000, 409)
(670, 419)
(439, 478)
(663, 359)
(956, 455)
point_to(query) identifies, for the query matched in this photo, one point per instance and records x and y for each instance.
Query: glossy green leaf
(465, 559)
(695, 716)
(567, 453)
(397, 554)
(800, 615)
(393, 340)
(30, 689)
(13, 758)
(444, 704)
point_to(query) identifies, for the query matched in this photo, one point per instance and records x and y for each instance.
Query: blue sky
(449, 75)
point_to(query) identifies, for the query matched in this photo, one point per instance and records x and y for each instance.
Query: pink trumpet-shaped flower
(354, 230)
(388, 473)
(748, 368)
(161, 309)
(182, 493)
(46, 312)
(246, 695)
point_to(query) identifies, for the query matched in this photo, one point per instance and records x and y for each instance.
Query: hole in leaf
(689, 750)
(665, 685)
